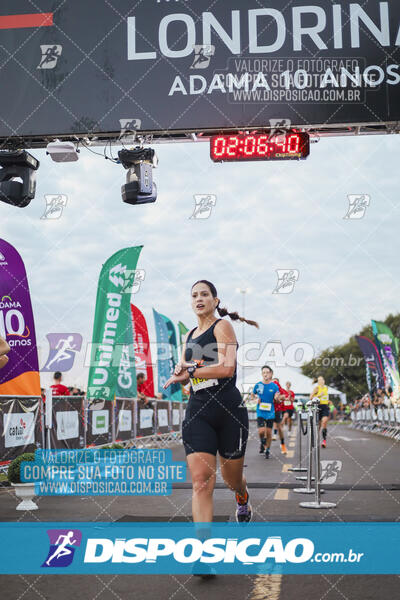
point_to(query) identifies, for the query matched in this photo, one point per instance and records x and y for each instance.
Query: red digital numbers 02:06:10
(259, 147)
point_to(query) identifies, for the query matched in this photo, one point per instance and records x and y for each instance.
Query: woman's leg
(202, 468)
(232, 473)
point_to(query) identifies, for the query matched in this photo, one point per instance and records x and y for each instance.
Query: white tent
(301, 385)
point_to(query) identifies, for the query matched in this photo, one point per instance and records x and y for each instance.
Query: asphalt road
(366, 489)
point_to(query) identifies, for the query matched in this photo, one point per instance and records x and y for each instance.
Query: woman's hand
(3, 361)
(181, 367)
(175, 379)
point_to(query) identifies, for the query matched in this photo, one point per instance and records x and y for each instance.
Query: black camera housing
(17, 165)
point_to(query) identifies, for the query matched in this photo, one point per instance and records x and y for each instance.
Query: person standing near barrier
(58, 388)
(4, 350)
(321, 392)
(216, 418)
(265, 392)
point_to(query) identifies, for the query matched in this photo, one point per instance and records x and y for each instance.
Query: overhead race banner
(142, 350)
(388, 345)
(21, 374)
(112, 324)
(176, 388)
(373, 364)
(165, 363)
(169, 66)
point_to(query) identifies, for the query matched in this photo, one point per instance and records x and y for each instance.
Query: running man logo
(63, 543)
(63, 347)
(204, 204)
(50, 55)
(129, 126)
(278, 126)
(133, 279)
(358, 204)
(98, 392)
(55, 204)
(330, 470)
(202, 56)
(286, 281)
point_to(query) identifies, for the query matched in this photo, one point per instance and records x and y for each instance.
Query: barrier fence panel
(68, 422)
(383, 420)
(99, 419)
(21, 426)
(176, 416)
(125, 419)
(163, 417)
(145, 420)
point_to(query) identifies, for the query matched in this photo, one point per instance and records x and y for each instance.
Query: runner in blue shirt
(265, 392)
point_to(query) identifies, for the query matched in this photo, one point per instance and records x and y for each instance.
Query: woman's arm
(226, 342)
(180, 367)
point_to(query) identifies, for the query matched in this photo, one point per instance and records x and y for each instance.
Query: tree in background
(343, 367)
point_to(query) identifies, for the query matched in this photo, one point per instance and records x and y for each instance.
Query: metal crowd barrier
(72, 422)
(382, 420)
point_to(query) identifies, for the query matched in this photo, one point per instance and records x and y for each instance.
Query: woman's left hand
(175, 379)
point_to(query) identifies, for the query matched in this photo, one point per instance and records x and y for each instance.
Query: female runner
(216, 420)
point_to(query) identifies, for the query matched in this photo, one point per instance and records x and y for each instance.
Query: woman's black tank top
(205, 348)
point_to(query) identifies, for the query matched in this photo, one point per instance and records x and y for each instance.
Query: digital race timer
(235, 147)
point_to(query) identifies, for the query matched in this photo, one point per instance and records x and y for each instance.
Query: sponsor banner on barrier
(20, 426)
(20, 376)
(175, 416)
(68, 428)
(222, 548)
(125, 420)
(99, 422)
(146, 418)
(125, 411)
(67, 423)
(19, 429)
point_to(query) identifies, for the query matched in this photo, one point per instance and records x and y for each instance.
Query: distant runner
(279, 412)
(265, 392)
(289, 406)
(321, 392)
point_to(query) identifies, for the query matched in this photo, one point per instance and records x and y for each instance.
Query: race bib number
(202, 384)
(287, 403)
(265, 406)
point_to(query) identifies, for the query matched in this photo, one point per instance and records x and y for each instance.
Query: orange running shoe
(283, 449)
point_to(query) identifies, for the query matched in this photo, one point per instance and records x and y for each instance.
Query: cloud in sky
(267, 217)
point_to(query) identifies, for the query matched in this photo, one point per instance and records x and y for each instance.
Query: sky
(267, 217)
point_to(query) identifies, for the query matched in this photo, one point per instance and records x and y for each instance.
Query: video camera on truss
(139, 187)
(17, 177)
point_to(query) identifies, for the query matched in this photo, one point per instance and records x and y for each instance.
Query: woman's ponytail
(223, 312)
